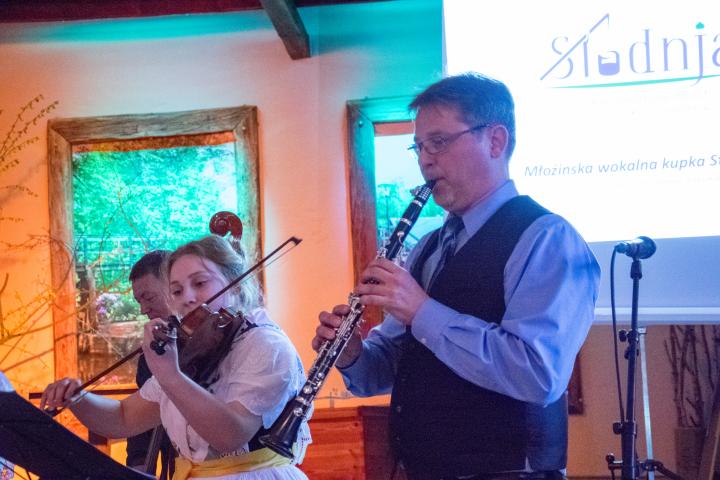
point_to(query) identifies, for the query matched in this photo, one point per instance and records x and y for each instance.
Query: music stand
(33, 440)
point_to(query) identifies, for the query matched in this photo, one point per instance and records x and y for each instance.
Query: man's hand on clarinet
(391, 287)
(329, 323)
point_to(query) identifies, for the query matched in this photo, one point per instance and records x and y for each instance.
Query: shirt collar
(478, 214)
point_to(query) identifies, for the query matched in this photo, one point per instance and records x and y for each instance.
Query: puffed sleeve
(151, 390)
(265, 372)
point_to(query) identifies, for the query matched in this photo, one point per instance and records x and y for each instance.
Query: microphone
(638, 248)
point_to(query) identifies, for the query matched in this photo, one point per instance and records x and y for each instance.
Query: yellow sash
(255, 460)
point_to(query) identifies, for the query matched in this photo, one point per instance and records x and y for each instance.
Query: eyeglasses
(439, 144)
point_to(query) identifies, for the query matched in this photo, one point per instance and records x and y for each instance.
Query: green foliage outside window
(392, 199)
(128, 203)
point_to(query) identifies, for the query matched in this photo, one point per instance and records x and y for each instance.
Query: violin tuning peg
(158, 347)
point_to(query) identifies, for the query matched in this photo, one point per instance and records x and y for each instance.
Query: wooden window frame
(362, 115)
(63, 134)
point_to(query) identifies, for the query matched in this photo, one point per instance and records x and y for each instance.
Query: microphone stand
(627, 427)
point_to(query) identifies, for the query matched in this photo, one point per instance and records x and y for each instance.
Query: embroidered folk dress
(263, 372)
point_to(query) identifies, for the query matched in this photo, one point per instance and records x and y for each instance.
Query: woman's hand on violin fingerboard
(165, 366)
(59, 393)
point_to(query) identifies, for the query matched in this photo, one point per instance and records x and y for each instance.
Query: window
(121, 186)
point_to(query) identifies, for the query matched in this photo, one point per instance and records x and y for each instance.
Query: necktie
(448, 242)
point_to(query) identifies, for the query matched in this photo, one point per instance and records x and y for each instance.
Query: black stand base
(648, 465)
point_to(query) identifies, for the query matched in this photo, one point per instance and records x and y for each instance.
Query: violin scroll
(223, 223)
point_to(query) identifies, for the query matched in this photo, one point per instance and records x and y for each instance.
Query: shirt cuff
(354, 367)
(355, 375)
(430, 322)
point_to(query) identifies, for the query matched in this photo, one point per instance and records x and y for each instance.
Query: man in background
(151, 292)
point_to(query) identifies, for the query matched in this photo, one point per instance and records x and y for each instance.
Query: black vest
(443, 425)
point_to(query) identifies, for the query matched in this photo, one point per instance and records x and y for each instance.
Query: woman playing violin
(213, 425)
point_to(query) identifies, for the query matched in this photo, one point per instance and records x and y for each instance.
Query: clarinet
(283, 432)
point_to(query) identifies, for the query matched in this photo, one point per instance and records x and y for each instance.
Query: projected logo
(604, 57)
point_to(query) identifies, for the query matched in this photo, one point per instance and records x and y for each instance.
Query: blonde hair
(231, 264)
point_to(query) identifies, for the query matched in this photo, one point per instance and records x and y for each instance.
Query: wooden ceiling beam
(286, 20)
(283, 13)
(69, 10)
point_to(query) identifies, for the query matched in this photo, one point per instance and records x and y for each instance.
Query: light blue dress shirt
(551, 284)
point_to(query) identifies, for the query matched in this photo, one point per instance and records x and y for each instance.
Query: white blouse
(263, 372)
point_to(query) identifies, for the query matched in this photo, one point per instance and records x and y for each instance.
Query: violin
(203, 339)
(203, 336)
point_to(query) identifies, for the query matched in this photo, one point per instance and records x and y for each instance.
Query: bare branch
(708, 359)
(671, 352)
(697, 397)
